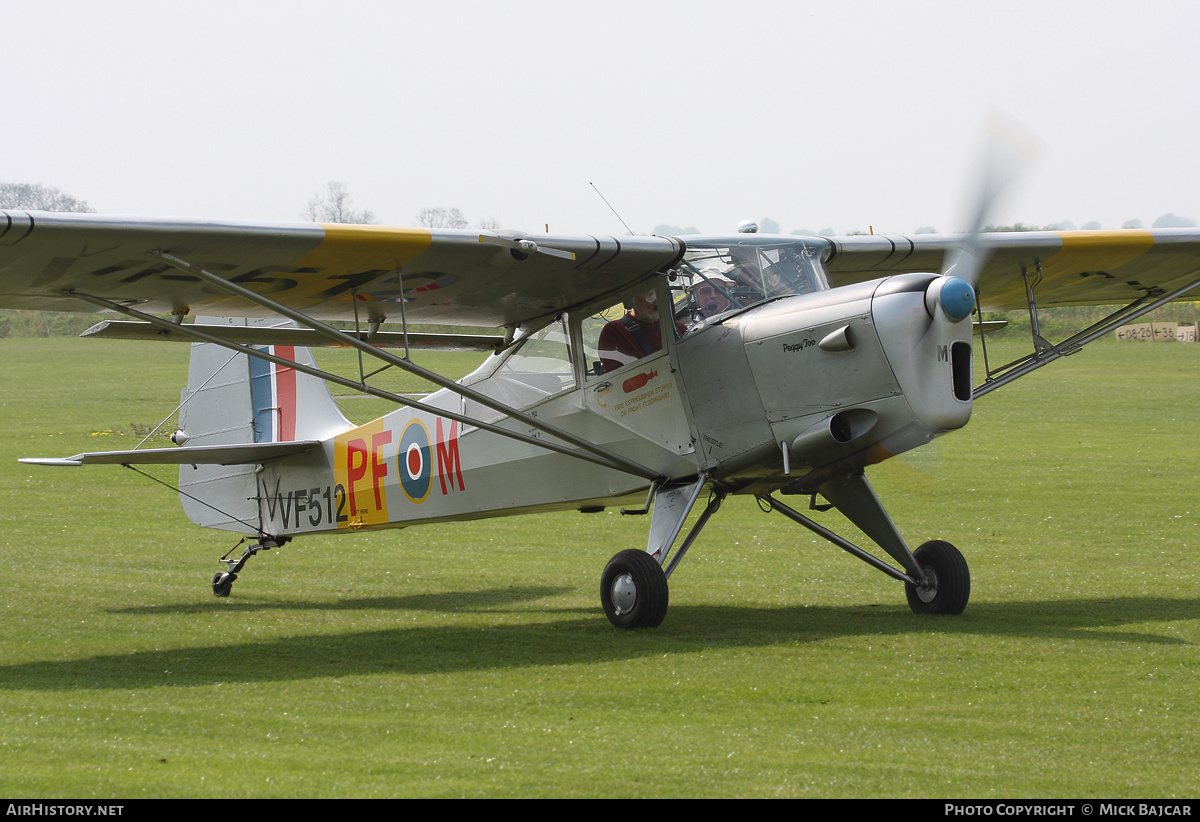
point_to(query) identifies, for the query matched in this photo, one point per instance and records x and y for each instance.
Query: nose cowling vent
(960, 364)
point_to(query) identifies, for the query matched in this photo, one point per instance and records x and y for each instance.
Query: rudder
(232, 398)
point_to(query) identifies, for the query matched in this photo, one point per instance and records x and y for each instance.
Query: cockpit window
(714, 280)
(543, 361)
(539, 367)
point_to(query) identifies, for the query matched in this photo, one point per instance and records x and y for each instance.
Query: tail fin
(234, 399)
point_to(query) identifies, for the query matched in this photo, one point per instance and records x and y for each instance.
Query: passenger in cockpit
(633, 336)
(751, 272)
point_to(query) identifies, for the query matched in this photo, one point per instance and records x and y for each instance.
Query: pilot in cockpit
(710, 295)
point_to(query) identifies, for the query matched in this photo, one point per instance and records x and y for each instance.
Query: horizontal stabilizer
(988, 326)
(247, 454)
(262, 335)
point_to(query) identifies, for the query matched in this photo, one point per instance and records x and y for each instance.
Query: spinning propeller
(1008, 150)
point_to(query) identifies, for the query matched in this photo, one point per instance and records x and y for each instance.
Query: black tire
(952, 585)
(633, 590)
(223, 583)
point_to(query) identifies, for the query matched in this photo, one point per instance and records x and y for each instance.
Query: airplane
(642, 371)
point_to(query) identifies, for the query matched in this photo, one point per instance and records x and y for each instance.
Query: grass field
(474, 660)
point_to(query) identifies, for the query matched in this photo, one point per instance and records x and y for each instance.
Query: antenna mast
(610, 208)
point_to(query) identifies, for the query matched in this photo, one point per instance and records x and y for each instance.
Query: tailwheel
(633, 590)
(222, 583)
(948, 581)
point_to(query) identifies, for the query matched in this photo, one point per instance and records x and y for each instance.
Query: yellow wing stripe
(352, 255)
(1098, 250)
(348, 248)
(1081, 251)
(1090, 251)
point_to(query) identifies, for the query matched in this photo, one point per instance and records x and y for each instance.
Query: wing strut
(592, 453)
(1046, 352)
(609, 457)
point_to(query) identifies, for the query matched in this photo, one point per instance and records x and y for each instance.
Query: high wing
(1076, 267)
(504, 279)
(50, 261)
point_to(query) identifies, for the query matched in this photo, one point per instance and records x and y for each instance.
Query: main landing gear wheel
(222, 583)
(633, 590)
(949, 585)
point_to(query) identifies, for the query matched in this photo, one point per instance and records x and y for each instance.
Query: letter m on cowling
(449, 464)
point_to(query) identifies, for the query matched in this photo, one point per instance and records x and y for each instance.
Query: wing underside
(330, 272)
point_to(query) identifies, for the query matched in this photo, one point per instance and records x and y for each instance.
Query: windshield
(719, 277)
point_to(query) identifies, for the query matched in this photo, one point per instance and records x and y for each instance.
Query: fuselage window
(539, 368)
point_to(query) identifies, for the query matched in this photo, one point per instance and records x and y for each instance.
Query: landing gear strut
(223, 582)
(935, 576)
(633, 587)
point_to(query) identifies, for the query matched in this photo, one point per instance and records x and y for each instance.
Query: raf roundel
(415, 475)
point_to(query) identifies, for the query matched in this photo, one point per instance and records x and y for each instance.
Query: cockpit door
(628, 375)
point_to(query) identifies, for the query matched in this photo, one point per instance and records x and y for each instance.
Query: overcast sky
(819, 115)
